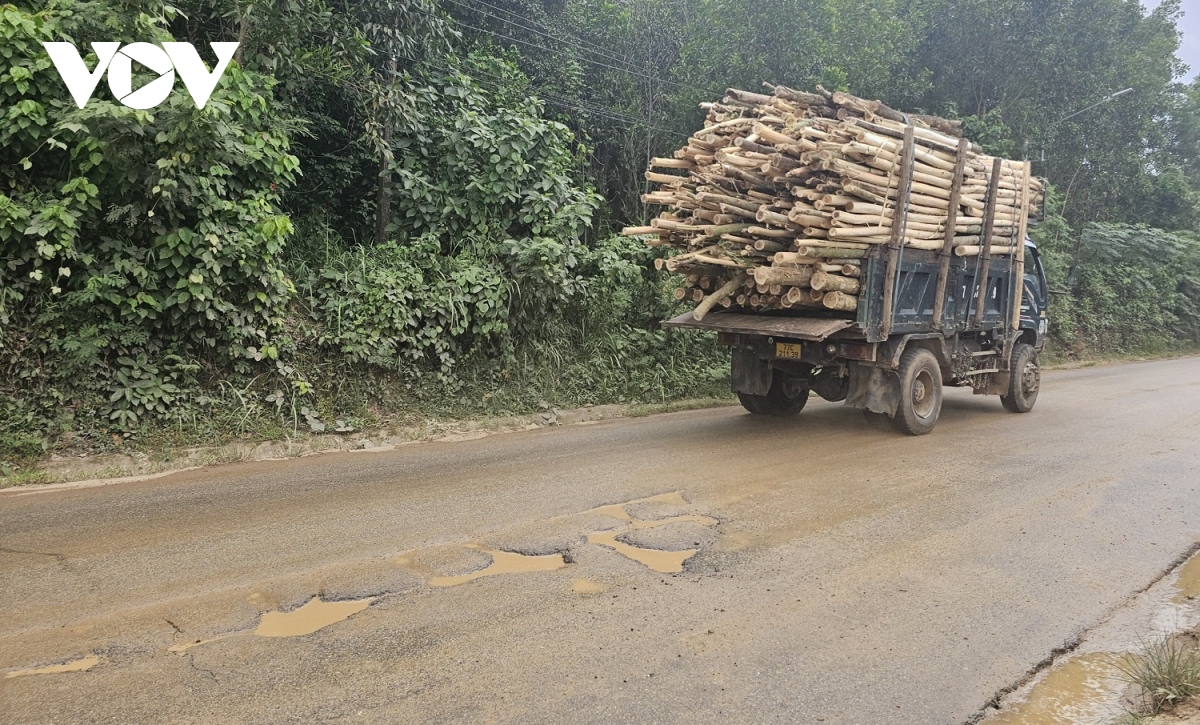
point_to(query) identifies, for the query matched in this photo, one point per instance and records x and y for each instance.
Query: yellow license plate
(787, 350)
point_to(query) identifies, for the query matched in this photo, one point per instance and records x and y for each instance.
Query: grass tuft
(1166, 670)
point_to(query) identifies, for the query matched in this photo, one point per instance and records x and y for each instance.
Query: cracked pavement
(830, 572)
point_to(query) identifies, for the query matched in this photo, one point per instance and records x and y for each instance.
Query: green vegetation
(1166, 672)
(397, 208)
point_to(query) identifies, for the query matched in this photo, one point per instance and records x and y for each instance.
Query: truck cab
(1035, 300)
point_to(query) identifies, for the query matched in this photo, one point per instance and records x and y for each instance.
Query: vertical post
(989, 219)
(939, 300)
(897, 236)
(1019, 247)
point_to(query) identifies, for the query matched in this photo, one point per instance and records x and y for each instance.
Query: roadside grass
(1057, 359)
(1165, 672)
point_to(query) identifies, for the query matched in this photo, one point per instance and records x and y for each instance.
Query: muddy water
(309, 618)
(1083, 689)
(666, 562)
(503, 562)
(79, 665)
(1188, 581)
(617, 510)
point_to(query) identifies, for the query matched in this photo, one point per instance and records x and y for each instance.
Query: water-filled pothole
(503, 562)
(1081, 689)
(79, 665)
(309, 618)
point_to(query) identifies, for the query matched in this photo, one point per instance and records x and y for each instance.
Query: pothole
(308, 619)
(80, 665)
(503, 562)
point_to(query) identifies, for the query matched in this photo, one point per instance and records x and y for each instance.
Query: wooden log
(840, 301)
(671, 163)
(771, 233)
(814, 251)
(640, 231)
(705, 259)
(767, 216)
(763, 245)
(715, 298)
(973, 250)
(833, 283)
(791, 276)
(793, 258)
(665, 178)
(851, 270)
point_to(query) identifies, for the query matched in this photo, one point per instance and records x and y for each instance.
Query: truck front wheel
(920, 392)
(786, 397)
(1025, 380)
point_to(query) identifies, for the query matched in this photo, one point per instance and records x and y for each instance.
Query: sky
(1189, 50)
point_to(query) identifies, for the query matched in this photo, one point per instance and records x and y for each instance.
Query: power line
(591, 48)
(560, 53)
(562, 101)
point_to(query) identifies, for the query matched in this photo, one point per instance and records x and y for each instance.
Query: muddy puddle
(80, 665)
(665, 562)
(1188, 582)
(503, 562)
(1090, 687)
(309, 618)
(662, 561)
(1082, 689)
(317, 614)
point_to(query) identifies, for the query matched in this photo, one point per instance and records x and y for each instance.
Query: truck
(925, 319)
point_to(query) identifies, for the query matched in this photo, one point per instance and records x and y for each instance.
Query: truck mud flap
(873, 388)
(749, 374)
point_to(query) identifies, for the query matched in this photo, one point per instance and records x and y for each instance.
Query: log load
(776, 202)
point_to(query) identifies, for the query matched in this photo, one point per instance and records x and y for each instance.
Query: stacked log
(774, 204)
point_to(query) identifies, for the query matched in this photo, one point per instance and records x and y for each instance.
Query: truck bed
(916, 289)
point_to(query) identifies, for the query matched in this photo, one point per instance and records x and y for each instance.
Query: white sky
(1189, 49)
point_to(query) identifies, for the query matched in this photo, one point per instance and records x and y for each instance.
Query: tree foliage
(427, 189)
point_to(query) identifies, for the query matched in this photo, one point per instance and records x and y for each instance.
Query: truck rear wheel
(786, 397)
(920, 392)
(1025, 380)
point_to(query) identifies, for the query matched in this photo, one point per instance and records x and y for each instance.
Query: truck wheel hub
(1030, 379)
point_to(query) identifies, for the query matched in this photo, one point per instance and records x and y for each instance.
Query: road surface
(830, 572)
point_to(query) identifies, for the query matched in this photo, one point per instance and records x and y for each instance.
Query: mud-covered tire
(920, 392)
(1025, 380)
(786, 397)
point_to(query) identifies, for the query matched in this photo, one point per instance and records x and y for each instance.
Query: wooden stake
(1019, 250)
(893, 259)
(939, 300)
(989, 216)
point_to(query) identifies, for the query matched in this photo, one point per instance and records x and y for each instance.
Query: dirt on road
(701, 566)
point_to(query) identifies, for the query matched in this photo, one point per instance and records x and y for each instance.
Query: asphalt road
(841, 574)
